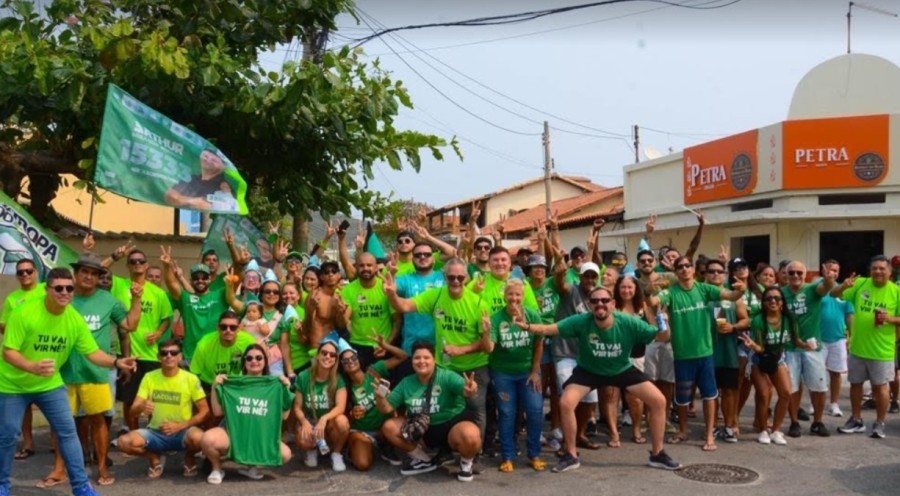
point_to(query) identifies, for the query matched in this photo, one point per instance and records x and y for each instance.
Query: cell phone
(344, 225)
(384, 387)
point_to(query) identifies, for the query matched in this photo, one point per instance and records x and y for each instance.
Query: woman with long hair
(319, 407)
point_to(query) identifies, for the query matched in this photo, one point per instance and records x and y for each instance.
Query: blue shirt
(417, 326)
(832, 313)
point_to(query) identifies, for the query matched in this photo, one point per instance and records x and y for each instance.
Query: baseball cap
(578, 249)
(199, 268)
(536, 261)
(737, 262)
(590, 266)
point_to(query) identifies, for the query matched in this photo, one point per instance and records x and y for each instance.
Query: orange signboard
(721, 169)
(843, 152)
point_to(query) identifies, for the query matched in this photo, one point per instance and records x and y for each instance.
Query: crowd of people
(433, 352)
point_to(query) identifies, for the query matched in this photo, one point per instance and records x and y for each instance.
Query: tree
(303, 135)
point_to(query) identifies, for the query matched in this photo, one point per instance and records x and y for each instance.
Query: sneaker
(778, 439)
(802, 415)
(717, 432)
(311, 459)
(4, 491)
(834, 410)
(728, 435)
(794, 430)
(566, 462)
(819, 429)
(877, 430)
(477, 466)
(556, 434)
(337, 462)
(895, 407)
(626, 420)
(389, 455)
(85, 490)
(413, 466)
(215, 477)
(869, 404)
(764, 437)
(591, 428)
(554, 444)
(465, 471)
(663, 460)
(852, 426)
(251, 473)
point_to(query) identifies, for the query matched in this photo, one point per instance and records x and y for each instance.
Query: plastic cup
(813, 343)
(880, 316)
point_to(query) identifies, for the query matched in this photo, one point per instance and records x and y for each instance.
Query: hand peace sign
(470, 387)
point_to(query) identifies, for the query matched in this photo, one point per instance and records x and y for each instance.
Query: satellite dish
(652, 153)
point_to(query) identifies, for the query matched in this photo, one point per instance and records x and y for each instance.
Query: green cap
(199, 268)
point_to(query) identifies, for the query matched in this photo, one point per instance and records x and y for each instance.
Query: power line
(529, 16)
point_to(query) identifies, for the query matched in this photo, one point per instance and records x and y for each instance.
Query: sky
(685, 76)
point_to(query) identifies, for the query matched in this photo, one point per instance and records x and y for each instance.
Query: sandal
(216, 476)
(105, 480)
(587, 444)
(24, 453)
(48, 482)
(506, 466)
(614, 443)
(190, 471)
(638, 439)
(538, 464)
(710, 447)
(155, 471)
(677, 439)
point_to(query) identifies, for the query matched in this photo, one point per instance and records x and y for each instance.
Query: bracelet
(114, 257)
(115, 363)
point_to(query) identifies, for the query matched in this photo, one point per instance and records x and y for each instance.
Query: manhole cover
(718, 474)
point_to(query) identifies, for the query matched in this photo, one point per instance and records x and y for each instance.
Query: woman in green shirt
(515, 361)
(319, 407)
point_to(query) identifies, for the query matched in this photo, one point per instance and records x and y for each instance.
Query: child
(255, 324)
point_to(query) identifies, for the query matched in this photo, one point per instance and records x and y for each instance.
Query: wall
(527, 197)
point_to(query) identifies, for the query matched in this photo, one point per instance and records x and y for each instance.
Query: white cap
(590, 266)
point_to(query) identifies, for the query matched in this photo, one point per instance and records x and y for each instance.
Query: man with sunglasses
(692, 344)
(804, 301)
(176, 404)
(406, 244)
(481, 249)
(29, 288)
(417, 326)
(156, 314)
(41, 336)
(604, 339)
(659, 362)
(221, 352)
(88, 386)
(200, 308)
(321, 311)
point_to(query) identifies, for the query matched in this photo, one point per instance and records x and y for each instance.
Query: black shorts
(624, 380)
(127, 392)
(727, 378)
(436, 435)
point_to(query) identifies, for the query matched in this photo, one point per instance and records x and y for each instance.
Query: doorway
(753, 249)
(852, 249)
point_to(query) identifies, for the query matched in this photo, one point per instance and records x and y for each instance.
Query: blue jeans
(510, 390)
(54, 405)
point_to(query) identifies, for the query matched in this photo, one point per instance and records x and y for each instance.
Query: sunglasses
(423, 255)
(483, 248)
(683, 266)
(795, 273)
(329, 354)
(169, 353)
(451, 278)
(714, 271)
(270, 292)
(604, 301)
(200, 277)
(136, 261)
(329, 271)
(228, 327)
(293, 260)
(254, 358)
(350, 359)
(24, 272)
(772, 298)
(63, 289)
(405, 241)
(645, 261)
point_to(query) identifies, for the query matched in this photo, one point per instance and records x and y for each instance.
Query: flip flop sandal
(190, 471)
(106, 480)
(677, 439)
(24, 453)
(587, 444)
(710, 447)
(639, 439)
(155, 472)
(48, 482)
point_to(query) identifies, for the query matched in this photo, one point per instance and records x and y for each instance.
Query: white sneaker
(337, 462)
(778, 439)
(834, 410)
(312, 458)
(251, 473)
(764, 438)
(557, 434)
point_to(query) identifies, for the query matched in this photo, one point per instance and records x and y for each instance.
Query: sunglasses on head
(422, 255)
(169, 353)
(136, 261)
(329, 354)
(63, 289)
(349, 359)
(451, 278)
(228, 327)
(683, 266)
(24, 272)
(254, 358)
(603, 300)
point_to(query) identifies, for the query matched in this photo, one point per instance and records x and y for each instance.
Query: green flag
(373, 244)
(146, 156)
(22, 237)
(245, 234)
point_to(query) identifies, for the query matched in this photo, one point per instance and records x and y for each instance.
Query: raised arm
(695, 241)
(172, 283)
(389, 286)
(447, 251)
(593, 242)
(344, 256)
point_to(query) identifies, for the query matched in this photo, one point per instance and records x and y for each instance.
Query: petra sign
(844, 152)
(721, 169)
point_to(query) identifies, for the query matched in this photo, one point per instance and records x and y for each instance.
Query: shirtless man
(322, 305)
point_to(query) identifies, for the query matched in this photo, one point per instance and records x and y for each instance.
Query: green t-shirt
(38, 335)
(513, 346)
(155, 308)
(725, 346)
(212, 359)
(173, 397)
(771, 338)
(457, 322)
(447, 400)
(253, 407)
(606, 352)
(317, 402)
(804, 305)
(370, 312)
(363, 395)
(98, 310)
(299, 351)
(547, 297)
(217, 282)
(200, 314)
(20, 296)
(493, 293)
(868, 340)
(689, 319)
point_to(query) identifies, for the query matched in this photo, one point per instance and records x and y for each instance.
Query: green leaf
(88, 143)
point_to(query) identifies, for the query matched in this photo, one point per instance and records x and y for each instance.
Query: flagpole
(93, 190)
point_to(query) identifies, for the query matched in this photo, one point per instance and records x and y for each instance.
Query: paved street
(840, 465)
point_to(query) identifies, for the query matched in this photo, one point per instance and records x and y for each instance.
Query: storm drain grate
(715, 473)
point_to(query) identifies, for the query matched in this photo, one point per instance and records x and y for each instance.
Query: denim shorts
(699, 371)
(809, 366)
(157, 442)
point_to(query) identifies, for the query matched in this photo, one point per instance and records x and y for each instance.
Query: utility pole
(548, 165)
(637, 144)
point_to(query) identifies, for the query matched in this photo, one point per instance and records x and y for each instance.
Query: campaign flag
(146, 156)
(22, 237)
(245, 234)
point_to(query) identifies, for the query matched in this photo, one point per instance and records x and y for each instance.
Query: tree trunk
(300, 232)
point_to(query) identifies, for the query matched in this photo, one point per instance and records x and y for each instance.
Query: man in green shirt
(605, 339)
(222, 352)
(363, 308)
(40, 337)
(492, 285)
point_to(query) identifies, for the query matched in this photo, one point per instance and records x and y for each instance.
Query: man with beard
(364, 310)
(494, 283)
(405, 249)
(481, 251)
(417, 326)
(200, 310)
